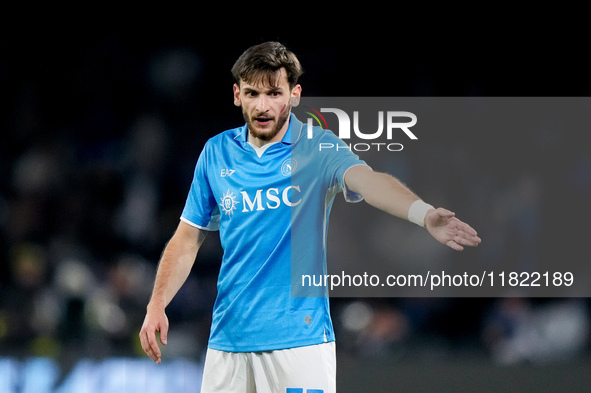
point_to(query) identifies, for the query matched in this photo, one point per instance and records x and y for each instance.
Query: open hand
(447, 229)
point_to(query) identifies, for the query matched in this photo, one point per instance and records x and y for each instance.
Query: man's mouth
(262, 120)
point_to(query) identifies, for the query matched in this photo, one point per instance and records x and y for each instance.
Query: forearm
(381, 190)
(389, 194)
(175, 264)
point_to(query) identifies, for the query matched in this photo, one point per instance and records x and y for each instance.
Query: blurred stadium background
(100, 134)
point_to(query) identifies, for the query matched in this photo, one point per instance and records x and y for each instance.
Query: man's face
(266, 108)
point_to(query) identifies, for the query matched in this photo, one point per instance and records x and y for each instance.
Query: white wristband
(417, 212)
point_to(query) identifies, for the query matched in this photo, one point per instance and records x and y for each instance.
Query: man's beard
(267, 135)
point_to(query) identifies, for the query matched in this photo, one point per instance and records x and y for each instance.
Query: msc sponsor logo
(229, 203)
(271, 198)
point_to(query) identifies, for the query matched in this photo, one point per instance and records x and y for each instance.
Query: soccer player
(269, 194)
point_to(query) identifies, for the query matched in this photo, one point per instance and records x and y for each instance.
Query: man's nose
(262, 104)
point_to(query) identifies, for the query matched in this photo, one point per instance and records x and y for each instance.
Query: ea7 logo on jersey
(227, 172)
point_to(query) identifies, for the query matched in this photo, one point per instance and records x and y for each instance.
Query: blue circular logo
(288, 167)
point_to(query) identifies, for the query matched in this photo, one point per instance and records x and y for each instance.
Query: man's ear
(236, 89)
(296, 93)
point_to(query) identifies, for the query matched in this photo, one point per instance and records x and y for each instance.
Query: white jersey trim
(351, 196)
(210, 227)
(262, 149)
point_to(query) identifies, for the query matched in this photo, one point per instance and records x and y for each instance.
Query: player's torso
(259, 198)
(252, 190)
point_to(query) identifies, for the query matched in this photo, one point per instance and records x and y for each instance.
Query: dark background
(101, 130)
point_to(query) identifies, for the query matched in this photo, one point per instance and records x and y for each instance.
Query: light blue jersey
(254, 197)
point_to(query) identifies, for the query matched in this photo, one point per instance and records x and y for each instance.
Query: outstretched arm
(387, 193)
(174, 267)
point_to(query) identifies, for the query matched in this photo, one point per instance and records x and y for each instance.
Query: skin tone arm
(390, 195)
(174, 268)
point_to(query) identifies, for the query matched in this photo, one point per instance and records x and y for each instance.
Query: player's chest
(248, 183)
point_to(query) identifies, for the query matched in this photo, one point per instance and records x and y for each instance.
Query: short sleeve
(201, 209)
(339, 159)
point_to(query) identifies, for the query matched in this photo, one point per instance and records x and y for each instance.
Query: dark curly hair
(261, 62)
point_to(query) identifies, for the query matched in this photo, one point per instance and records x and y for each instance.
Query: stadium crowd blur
(98, 147)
